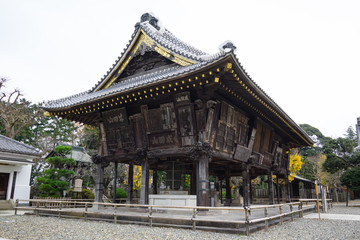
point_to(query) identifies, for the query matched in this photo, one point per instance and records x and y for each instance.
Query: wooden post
(266, 216)
(99, 190)
(277, 189)
(144, 188)
(250, 190)
(115, 180)
(203, 180)
(287, 189)
(292, 216)
(193, 181)
(16, 205)
(115, 216)
(130, 183)
(103, 151)
(246, 182)
(271, 188)
(155, 181)
(85, 213)
(228, 187)
(317, 198)
(281, 217)
(193, 219)
(301, 213)
(150, 216)
(59, 211)
(247, 221)
(37, 208)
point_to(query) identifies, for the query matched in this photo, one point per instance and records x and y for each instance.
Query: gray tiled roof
(128, 84)
(160, 36)
(164, 38)
(12, 146)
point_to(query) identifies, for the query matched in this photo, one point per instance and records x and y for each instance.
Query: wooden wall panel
(258, 137)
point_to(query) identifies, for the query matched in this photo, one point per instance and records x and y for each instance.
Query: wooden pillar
(287, 190)
(277, 189)
(193, 181)
(99, 188)
(203, 188)
(115, 180)
(103, 151)
(251, 190)
(144, 188)
(130, 183)
(246, 183)
(155, 181)
(271, 188)
(228, 187)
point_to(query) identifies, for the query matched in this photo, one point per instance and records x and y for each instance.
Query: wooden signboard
(162, 139)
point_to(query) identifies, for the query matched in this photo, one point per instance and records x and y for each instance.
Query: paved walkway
(333, 216)
(4, 213)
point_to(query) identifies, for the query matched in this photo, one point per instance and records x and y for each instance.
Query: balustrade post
(60, 206)
(16, 205)
(266, 216)
(193, 219)
(37, 208)
(85, 213)
(247, 221)
(150, 216)
(115, 216)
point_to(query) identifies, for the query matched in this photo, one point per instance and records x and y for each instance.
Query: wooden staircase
(6, 205)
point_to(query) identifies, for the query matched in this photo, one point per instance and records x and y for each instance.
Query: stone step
(5, 205)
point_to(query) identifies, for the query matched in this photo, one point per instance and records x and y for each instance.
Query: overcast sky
(304, 54)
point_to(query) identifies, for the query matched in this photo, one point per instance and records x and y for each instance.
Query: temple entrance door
(4, 180)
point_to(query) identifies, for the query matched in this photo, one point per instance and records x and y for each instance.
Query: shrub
(121, 193)
(87, 194)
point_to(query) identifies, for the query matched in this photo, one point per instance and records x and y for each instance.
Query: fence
(194, 217)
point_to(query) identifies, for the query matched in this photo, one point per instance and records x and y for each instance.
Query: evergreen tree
(57, 178)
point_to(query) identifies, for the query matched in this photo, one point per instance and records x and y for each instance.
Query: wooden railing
(247, 219)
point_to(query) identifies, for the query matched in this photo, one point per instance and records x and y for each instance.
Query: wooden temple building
(167, 105)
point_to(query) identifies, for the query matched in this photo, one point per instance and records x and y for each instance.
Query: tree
(89, 138)
(56, 179)
(311, 131)
(294, 165)
(342, 158)
(16, 113)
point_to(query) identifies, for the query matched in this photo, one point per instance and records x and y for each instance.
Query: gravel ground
(32, 227)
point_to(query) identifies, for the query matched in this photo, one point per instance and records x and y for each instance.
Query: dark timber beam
(203, 191)
(271, 188)
(246, 183)
(144, 188)
(228, 187)
(103, 151)
(130, 183)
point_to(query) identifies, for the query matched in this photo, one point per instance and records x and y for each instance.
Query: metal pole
(115, 179)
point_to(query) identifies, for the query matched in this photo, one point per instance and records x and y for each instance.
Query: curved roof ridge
(170, 41)
(120, 57)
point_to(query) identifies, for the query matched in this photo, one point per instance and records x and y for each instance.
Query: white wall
(22, 187)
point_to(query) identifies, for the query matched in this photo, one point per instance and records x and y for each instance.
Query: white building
(15, 168)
